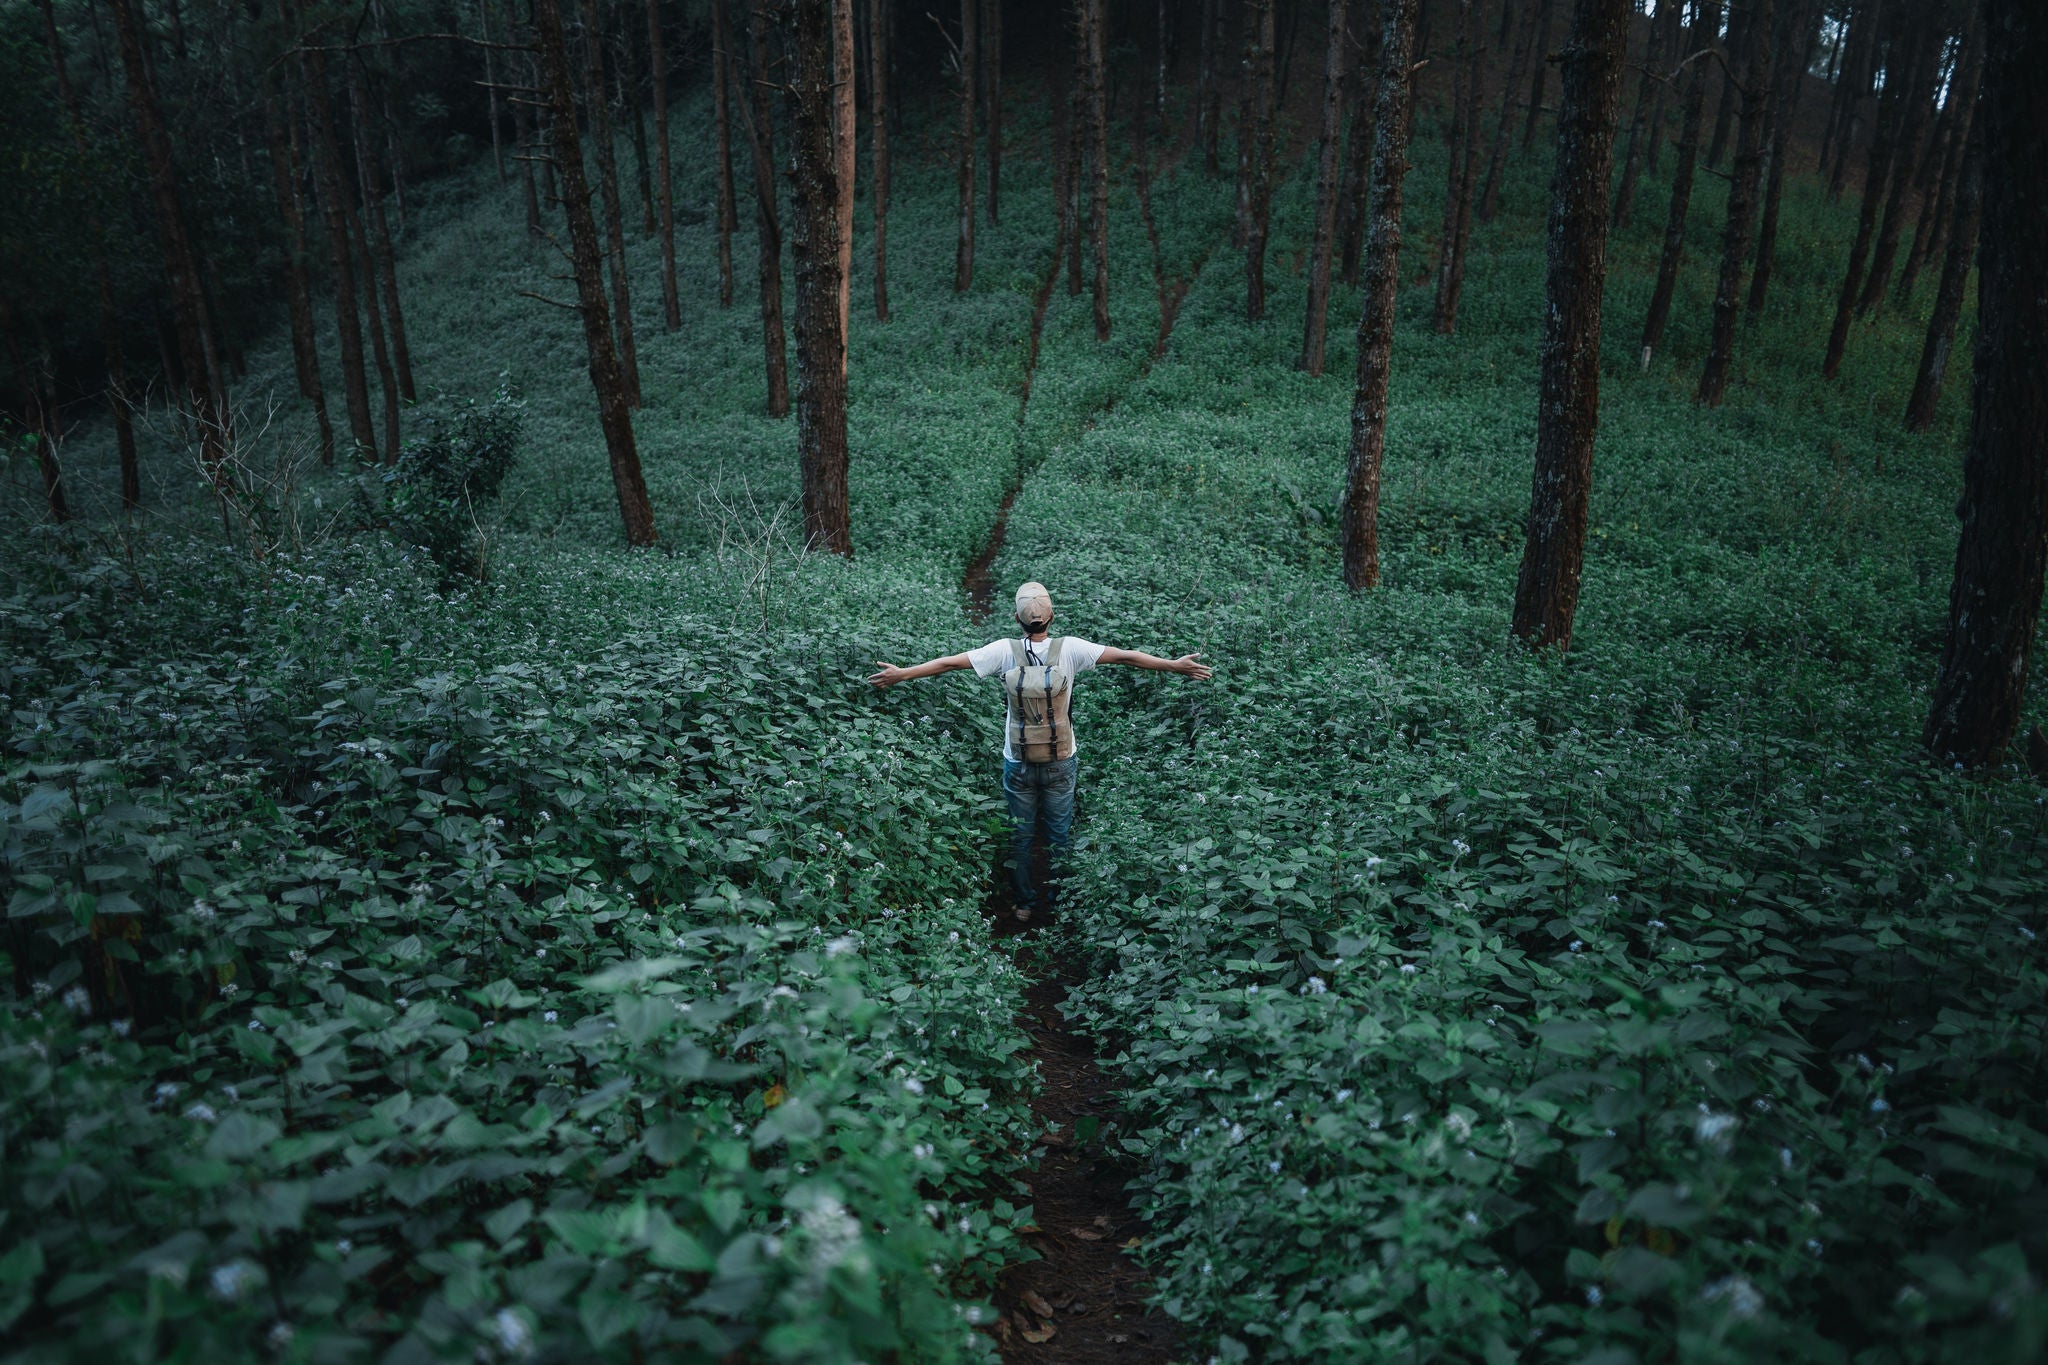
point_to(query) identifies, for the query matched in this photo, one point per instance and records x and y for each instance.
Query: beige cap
(1034, 604)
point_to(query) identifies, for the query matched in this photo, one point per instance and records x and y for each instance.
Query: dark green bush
(442, 480)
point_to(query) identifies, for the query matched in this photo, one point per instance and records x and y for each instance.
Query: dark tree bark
(1948, 295)
(1706, 24)
(1518, 67)
(284, 181)
(1208, 90)
(373, 318)
(1747, 173)
(1568, 389)
(1797, 27)
(1066, 139)
(1351, 205)
(109, 316)
(1995, 602)
(1358, 519)
(1464, 152)
(1638, 125)
(483, 11)
(39, 412)
(664, 184)
(334, 213)
(1255, 153)
(529, 151)
(992, 88)
(1096, 40)
(1540, 75)
(878, 145)
(1935, 224)
(382, 259)
(181, 261)
(1670, 38)
(820, 345)
(963, 246)
(627, 103)
(845, 158)
(1875, 177)
(1911, 126)
(1318, 312)
(1738, 58)
(607, 379)
(598, 108)
(1870, 25)
(767, 214)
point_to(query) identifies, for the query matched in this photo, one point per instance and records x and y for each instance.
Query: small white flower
(402, 1002)
(1251, 990)
(255, 1026)
(201, 1113)
(513, 1336)
(1576, 944)
(1315, 985)
(540, 952)
(1273, 1166)
(1593, 1295)
(122, 1027)
(1715, 1130)
(913, 1085)
(1409, 969)
(548, 1017)
(202, 911)
(167, 1091)
(78, 1001)
(1743, 1299)
(1343, 1095)
(1373, 860)
(1236, 1134)
(1879, 1105)
(1657, 924)
(232, 1280)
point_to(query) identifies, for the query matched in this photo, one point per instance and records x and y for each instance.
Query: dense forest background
(463, 902)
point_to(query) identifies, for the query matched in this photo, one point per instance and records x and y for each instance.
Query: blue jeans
(1038, 793)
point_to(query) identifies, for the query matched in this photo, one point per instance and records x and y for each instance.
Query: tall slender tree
(1568, 386)
(483, 16)
(284, 181)
(1936, 182)
(992, 97)
(599, 111)
(845, 107)
(332, 197)
(1255, 152)
(1464, 154)
(529, 151)
(820, 345)
(1706, 25)
(1317, 315)
(1096, 41)
(969, 55)
(1797, 29)
(382, 259)
(878, 145)
(1358, 518)
(181, 260)
(758, 111)
(1755, 93)
(1208, 90)
(1363, 39)
(1948, 295)
(1518, 66)
(1876, 176)
(664, 176)
(1995, 602)
(1539, 74)
(1916, 105)
(1639, 133)
(607, 378)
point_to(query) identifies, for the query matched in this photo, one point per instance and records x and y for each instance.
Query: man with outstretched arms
(1040, 762)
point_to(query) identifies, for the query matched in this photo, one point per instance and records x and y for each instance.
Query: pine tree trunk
(1755, 91)
(529, 150)
(1927, 241)
(1738, 57)
(992, 86)
(820, 346)
(1060, 102)
(1867, 37)
(1875, 178)
(664, 181)
(598, 105)
(1706, 24)
(1995, 602)
(284, 180)
(1670, 37)
(1318, 312)
(1638, 124)
(963, 247)
(1351, 205)
(1079, 143)
(1393, 104)
(1955, 277)
(181, 262)
(1098, 170)
(1255, 158)
(383, 260)
(1540, 75)
(1912, 124)
(333, 199)
(1450, 280)
(1497, 156)
(767, 214)
(1788, 76)
(483, 10)
(845, 158)
(39, 413)
(373, 318)
(1568, 388)
(878, 146)
(607, 379)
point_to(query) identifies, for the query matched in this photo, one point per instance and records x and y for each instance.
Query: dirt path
(1083, 1300)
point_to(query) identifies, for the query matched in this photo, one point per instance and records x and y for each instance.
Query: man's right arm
(890, 674)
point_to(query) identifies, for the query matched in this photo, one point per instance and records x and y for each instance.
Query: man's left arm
(1189, 665)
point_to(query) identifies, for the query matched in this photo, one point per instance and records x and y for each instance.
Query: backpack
(1039, 692)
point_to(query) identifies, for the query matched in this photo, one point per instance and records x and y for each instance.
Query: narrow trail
(1083, 1301)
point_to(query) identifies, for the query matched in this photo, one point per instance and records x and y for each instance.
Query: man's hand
(889, 676)
(1191, 665)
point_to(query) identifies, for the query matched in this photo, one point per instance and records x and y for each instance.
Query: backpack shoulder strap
(1052, 655)
(1016, 654)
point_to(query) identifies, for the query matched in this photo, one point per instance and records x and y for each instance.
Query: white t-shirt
(993, 660)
